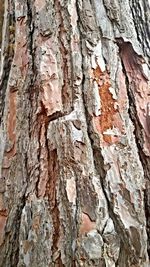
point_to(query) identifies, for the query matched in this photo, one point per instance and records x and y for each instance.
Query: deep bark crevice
(1, 20)
(141, 25)
(31, 40)
(8, 54)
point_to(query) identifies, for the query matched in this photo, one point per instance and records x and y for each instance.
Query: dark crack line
(31, 40)
(8, 58)
(140, 26)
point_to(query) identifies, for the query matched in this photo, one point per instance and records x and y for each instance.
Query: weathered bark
(75, 132)
(1, 20)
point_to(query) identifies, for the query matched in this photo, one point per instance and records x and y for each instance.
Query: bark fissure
(52, 197)
(31, 41)
(1, 21)
(141, 24)
(7, 54)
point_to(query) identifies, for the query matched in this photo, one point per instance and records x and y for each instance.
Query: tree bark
(75, 133)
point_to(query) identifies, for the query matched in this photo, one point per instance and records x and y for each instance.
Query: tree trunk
(75, 133)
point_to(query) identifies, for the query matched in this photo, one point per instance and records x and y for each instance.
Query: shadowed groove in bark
(30, 39)
(8, 53)
(1, 19)
(52, 196)
(142, 24)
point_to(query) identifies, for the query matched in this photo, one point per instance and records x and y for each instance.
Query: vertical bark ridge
(139, 134)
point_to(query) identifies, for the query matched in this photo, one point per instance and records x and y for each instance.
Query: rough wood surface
(75, 133)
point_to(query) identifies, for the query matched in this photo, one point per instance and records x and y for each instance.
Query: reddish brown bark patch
(109, 117)
(41, 127)
(51, 193)
(11, 130)
(3, 219)
(11, 126)
(86, 224)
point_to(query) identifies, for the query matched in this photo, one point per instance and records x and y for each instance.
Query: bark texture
(75, 133)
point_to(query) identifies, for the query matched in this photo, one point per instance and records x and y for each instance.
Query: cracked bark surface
(75, 134)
